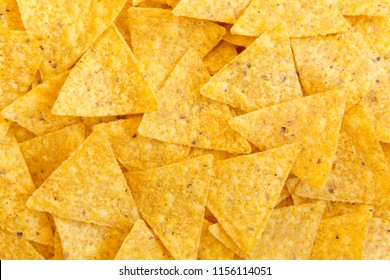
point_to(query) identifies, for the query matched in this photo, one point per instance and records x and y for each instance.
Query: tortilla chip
(4, 126)
(16, 187)
(58, 255)
(153, 4)
(184, 115)
(238, 40)
(140, 244)
(283, 194)
(244, 189)
(172, 3)
(342, 237)
(33, 110)
(92, 121)
(88, 187)
(122, 22)
(210, 248)
(314, 121)
(159, 40)
(21, 134)
(10, 16)
(285, 203)
(45, 153)
(334, 209)
(46, 251)
(217, 10)
(174, 205)
(37, 80)
(301, 17)
(262, 75)
(82, 241)
(377, 246)
(20, 55)
(219, 57)
(71, 26)
(360, 172)
(217, 231)
(366, 7)
(218, 155)
(14, 247)
(382, 211)
(137, 2)
(290, 233)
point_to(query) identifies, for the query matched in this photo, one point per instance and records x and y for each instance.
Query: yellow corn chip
(262, 75)
(88, 187)
(217, 231)
(33, 110)
(360, 172)
(10, 16)
(159, 40)
(21, 134)
(90, 122)
(301, 17)
(58, 255)
(209, 216)
(382, 211)
(138, 153)
(366, 7)
(45, 153)
(290, 233)
(285, 203)
(37, 80)
(238, 40)
(215, 10)
(377, 246)
(71, 26)
(219, 57)
(153, 4)
(14, 247)
(342, 237)
(314, 120)
(137, 2)
(172, 205)
(4, 126)
(46, 251)
(244, 189)
(140, 244)
(386, 150)
(218, 155)
(210, 248)
(187, 118)
(284, 194)
(122, 22)
(172, 3)
(334, 209)
(82, 241)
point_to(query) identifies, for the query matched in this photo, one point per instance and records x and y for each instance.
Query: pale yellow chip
(219, 57)
(377, 246)
(46, 251)
(159, 40)
(215, 10)
(10, 16)
(238, 40)
(262, 75)
(88, 187)
(244, 189)
(141, 244)
(334, 209)
(301, 17)
(217, 231)
(366, 7)
(33, 110)
(82, 241)
(14, 247)
(342, 237)
(21, 134)
(138, 153)
(187, 118)
(360, 172)
(71, 26)
(313, 120)
(45, 153)
(173, 205)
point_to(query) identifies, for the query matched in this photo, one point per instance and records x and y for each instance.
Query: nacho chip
(342, 237)
(262, 75)
(244, 189)
(238, 40)
(82, 241)
(4, 126)
(174, 205)
(377, 246)
(46, 251)
(217, 231)
(14, 247)
(10, 16)
(314, 120)
(217, 10)
(71, 26)
(172, 3)
(58, 255)
(21, 134)
(187, 118)
(360, 172)
(33, 110)
(122, 22)
(92, 121)
(159, 40)
(218, 155)
(334, 209)
(88, 187)
(138, 153)
(137, 2)
(284, 194)
(45, 153)
(140, 244)
(366, 7)
(301, 17)
(153, 4)
(219, 57)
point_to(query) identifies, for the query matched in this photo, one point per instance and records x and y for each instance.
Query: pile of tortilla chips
(194, 129)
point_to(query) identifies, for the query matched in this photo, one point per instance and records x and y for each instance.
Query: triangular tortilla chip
(10, 16)
(262, 75)
(20, 56)
(33, 110)
(45, 153)
(159, 40)
(290, 233)
(122, 22)
(16, 187)
(217, 10)
(140, 244)
(238, 40)
(15, 247)
(217, 231)
(342, 237)
(82, 241)
(88, 187)
(72, 27)
(360, 172)
(219, 57)
(21, 134)
(46, 251)
(336, 208)
(173, 205)
(314, 120)
(185, 117)
(366, 7)
(377, 246)
(244, 189)
(107, 81)
(138, 153)
(301, 17)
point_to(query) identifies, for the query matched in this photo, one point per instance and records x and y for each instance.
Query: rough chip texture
(14, 247)
(377, 246)
(10, 16)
